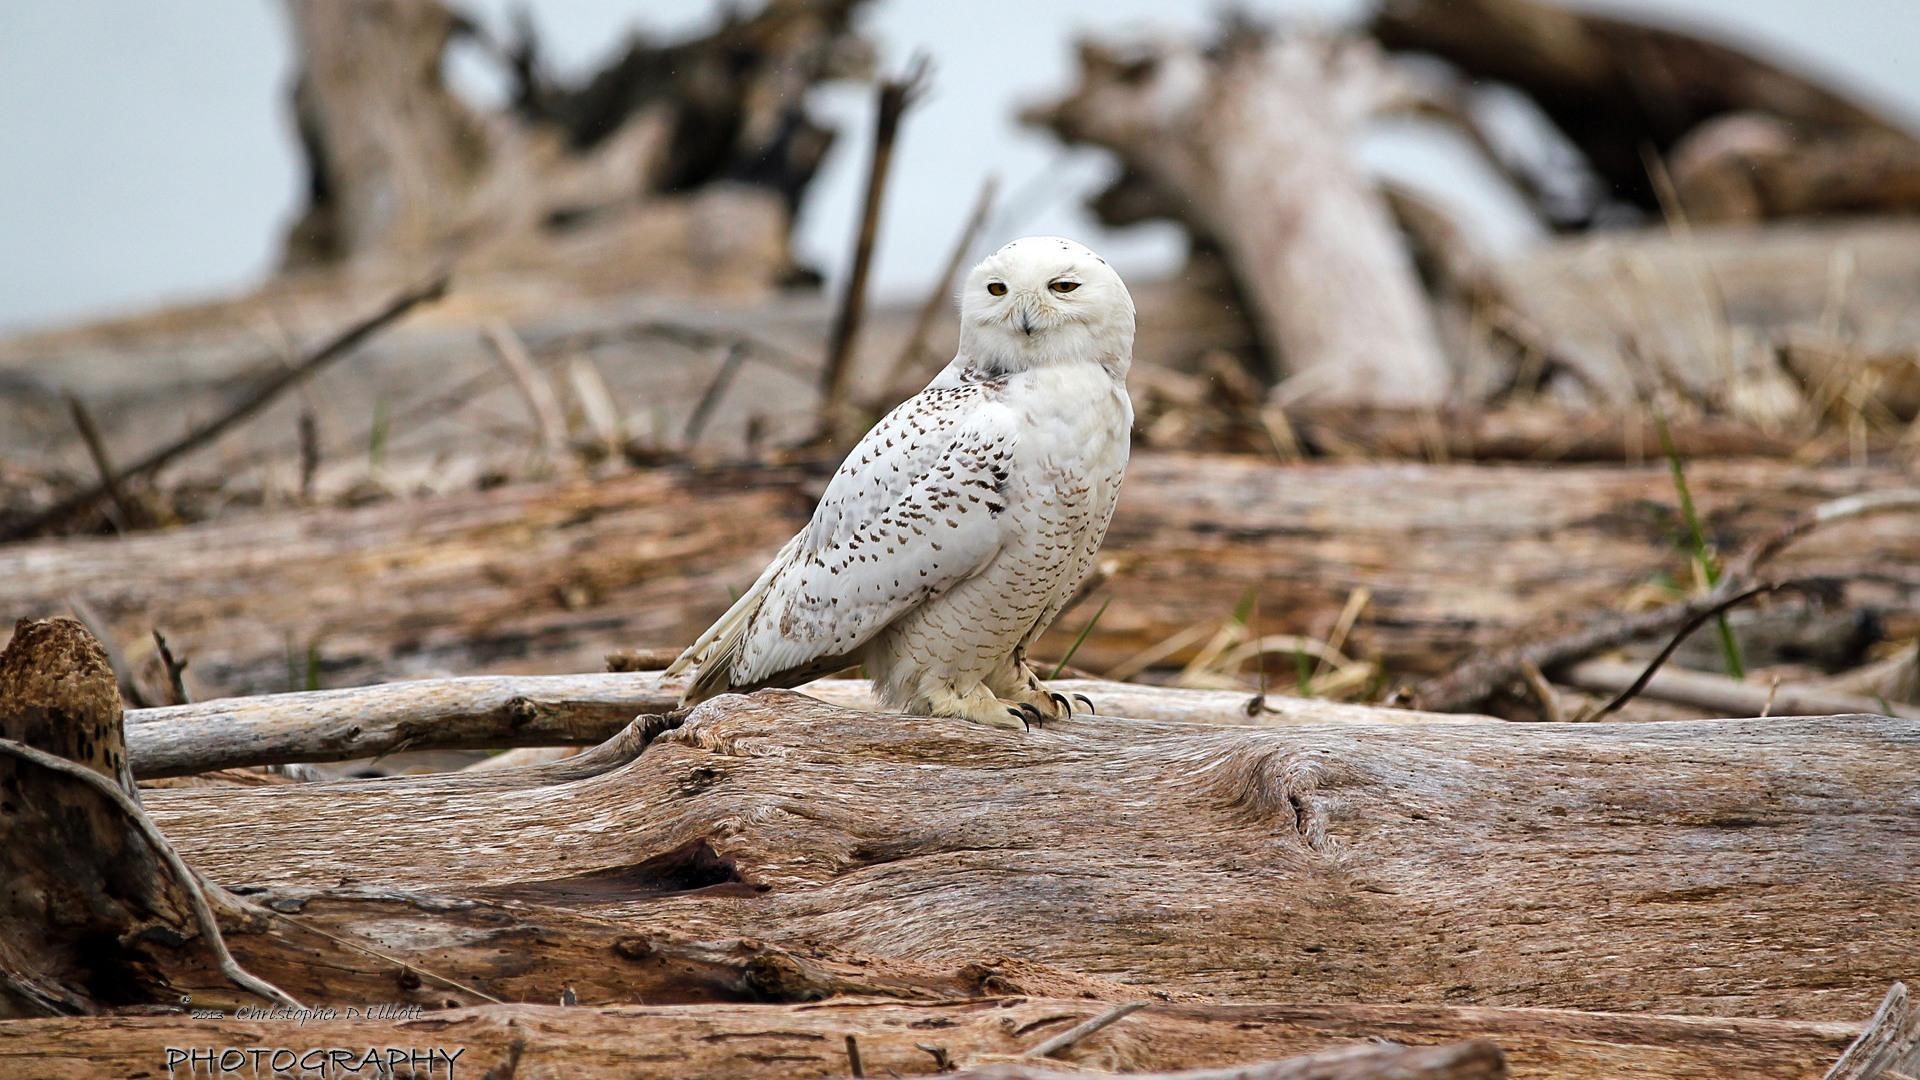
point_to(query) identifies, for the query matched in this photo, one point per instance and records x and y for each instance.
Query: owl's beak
(1026, 324)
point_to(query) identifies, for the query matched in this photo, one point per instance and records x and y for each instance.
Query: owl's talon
(1082, 698)
(1025, 724)
(1061, 700)
(1032, 716)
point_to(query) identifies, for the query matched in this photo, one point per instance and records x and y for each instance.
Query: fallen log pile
(773, 875)
(1488, 487)
(542, 578)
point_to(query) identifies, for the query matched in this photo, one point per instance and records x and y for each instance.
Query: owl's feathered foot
(982, 706)
(1026, 689)
(1020, 703)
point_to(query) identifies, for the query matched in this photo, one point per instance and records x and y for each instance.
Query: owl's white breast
(1074, 417)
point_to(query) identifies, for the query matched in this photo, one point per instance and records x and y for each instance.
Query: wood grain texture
(1478, 1060)
(1493, 864)
(549, 578)
(759, 1042)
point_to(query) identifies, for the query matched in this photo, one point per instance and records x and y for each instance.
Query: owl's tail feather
(716, 650)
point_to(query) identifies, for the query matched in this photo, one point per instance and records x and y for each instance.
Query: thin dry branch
(735, 355)
(250, 404)
(899, 381)
(1685, 630)
(102, 464)
(1073, 1036)
(1828, 513)
(1472, 683)
(176, 670)
(534, 389)
(894, 98)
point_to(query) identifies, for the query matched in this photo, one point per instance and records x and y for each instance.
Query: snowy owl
(958, 528)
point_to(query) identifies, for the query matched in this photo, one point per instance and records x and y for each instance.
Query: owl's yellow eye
(997, 288)
(1064, 286)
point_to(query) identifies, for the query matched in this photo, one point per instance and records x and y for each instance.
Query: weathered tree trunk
(1250, 146)
(1405, 863)
(776, 849)
(1748, 168)
(400, 168)
(760, 1042)
(1614, 86)
(547, 579)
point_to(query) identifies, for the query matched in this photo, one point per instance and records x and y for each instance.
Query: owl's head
(1046, 300)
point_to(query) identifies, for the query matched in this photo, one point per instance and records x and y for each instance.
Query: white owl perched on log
(958, 528)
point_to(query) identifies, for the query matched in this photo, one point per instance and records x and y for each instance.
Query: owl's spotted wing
(915, 509)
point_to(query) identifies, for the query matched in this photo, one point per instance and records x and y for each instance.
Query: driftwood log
(762, 1042)
(546, 578)
(1234, 864)
(1614, 86)
(1248, 144)
(960, 882)
(1537, 434)
(1402, 863)
(479, 712)
(1751, 168)
(1717, 693)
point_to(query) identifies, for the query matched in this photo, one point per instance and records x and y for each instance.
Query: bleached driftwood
(488, 711)
(1890, 1046)
(776, 1042)
(1430, 863)
(1529, 433)
(544, 578)
(1720, 694)
(1703, 316)
(905, 862)
(1249, 144)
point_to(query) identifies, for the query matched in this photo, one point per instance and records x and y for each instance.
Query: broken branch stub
(89, 907)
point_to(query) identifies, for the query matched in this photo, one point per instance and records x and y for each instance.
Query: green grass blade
(1077, 642)
(1697, 542)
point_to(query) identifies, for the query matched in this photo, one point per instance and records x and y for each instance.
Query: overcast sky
(147, 157)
